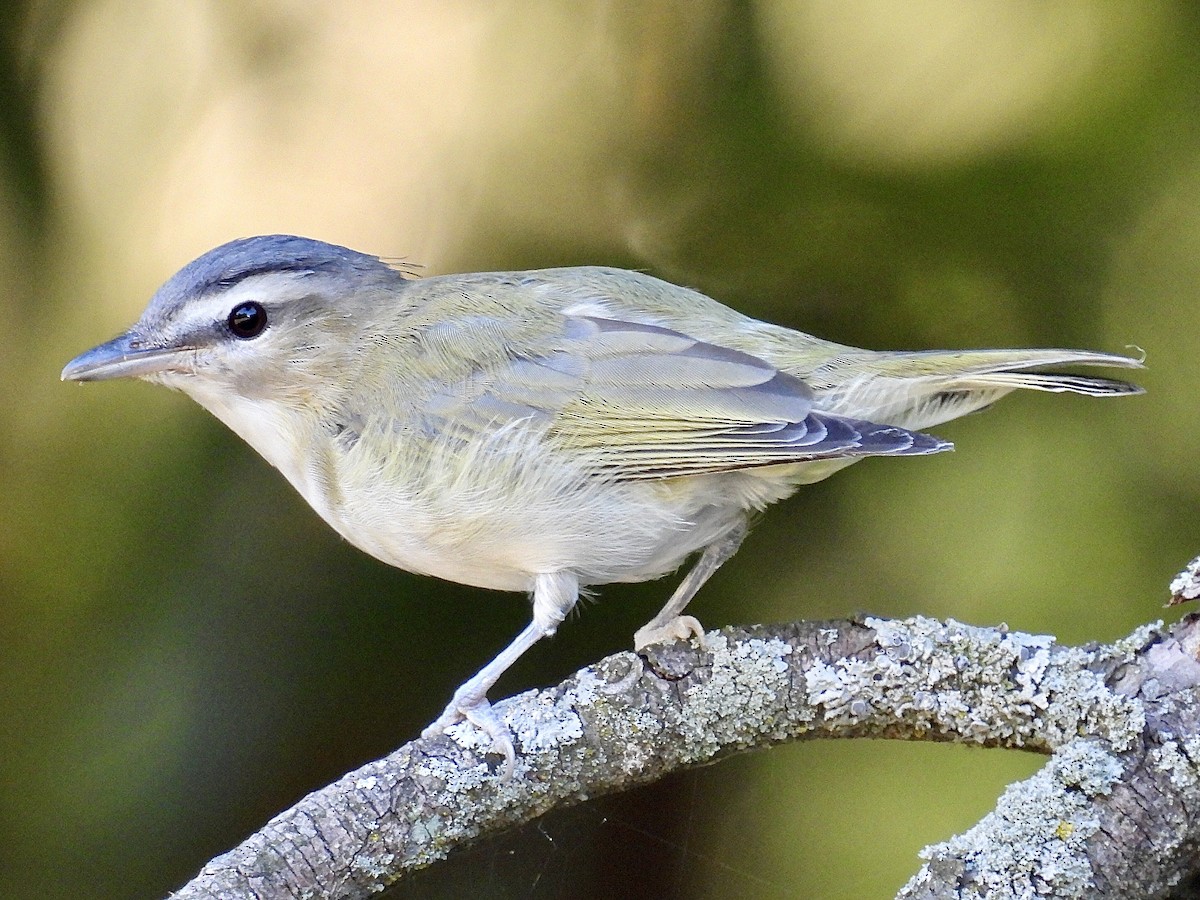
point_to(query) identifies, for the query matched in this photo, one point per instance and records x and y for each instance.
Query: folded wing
(643, 401)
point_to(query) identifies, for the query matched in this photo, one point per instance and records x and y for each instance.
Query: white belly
(499, 510)
(499, 514)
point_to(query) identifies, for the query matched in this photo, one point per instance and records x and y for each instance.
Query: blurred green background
(185, 649)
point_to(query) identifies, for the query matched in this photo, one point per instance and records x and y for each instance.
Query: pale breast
(499, 509)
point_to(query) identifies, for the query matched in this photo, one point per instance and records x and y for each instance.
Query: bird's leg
(669, 625)
(553, 597)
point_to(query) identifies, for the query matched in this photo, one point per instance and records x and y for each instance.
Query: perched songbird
(538, 431)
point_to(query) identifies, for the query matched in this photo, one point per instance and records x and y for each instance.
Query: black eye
(247, 320)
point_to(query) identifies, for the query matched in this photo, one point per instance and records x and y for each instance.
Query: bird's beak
(125, 356)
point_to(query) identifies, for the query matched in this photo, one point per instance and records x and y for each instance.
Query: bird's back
(912, 390)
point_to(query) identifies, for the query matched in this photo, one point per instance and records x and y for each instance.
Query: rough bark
(1112, 814)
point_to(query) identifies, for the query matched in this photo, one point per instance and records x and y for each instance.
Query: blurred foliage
(185, 649)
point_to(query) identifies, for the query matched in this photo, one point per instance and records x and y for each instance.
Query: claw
(478, 711)
(669, 625)
(554, 594)
(680, 628)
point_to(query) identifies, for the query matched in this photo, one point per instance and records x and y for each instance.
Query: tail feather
(1010, 370)
(920, 389)
(979, 362)
(1053, 382)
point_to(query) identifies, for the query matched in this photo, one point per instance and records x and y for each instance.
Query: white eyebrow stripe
(271, 289)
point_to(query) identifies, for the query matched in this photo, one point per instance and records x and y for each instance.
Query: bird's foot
(474, 708)
(680, 628)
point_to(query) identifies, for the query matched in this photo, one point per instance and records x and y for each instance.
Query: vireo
(540, 431)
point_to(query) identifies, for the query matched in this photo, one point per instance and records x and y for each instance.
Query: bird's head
(258, 317)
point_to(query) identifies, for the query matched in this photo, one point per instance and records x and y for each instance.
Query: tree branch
(1111, 814)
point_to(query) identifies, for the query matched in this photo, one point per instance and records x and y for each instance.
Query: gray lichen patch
(544, 722)
(606, 697)
(1186, 585)
(1125, 649)
(456, 777)
(1087, 766)
(744, 698)
(983, 685)
(1033, 843)
(1179, 760)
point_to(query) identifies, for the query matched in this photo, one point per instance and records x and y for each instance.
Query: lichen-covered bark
(1112, 814)
(1119, 721)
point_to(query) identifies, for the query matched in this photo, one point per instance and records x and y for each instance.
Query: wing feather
(643, 401)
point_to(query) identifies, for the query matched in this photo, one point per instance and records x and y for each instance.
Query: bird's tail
(1022, 369)
(920, 389)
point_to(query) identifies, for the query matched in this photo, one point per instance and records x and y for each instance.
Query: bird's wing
(644, 401)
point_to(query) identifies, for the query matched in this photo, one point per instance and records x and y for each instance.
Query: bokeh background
(186, 649)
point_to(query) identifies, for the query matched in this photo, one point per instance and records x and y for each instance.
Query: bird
(544, 431)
